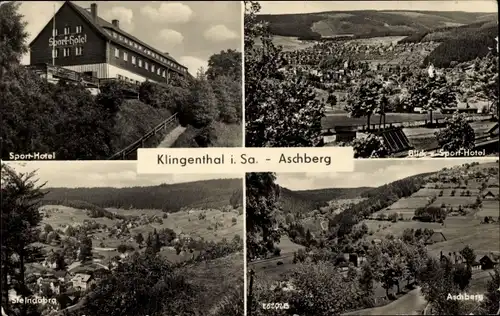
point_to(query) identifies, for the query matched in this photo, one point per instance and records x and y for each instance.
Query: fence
(122, 154)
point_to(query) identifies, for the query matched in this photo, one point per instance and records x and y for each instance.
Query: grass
(133, 121)
(228, 135)
(216, 278)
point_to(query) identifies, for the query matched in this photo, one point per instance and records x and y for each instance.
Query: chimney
(116, 23)
(93, 10)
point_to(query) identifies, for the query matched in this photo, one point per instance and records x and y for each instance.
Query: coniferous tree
(19, 229)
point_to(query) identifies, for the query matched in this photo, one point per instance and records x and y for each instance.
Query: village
(451, 215)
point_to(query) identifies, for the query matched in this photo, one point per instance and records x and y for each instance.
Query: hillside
(461, 45)
(168, 197)
(308, 200)
(367, 22)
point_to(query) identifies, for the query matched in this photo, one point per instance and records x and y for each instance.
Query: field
(270, 267)
(188, 223)
(489, 208)
(182, 222)
(291, 43)
(381, 40)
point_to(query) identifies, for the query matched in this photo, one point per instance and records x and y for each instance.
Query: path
(412, 303)
(171, 137)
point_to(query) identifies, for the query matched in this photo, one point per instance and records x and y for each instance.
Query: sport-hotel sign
(68, 40)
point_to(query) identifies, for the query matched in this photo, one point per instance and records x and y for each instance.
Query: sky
(370, 173)
(284, 7)
(116, 174)
(191, 31)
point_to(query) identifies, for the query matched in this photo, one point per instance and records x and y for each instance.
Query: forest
(167, 197)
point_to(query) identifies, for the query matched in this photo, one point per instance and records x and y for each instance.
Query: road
(171, 137)
(412, 303)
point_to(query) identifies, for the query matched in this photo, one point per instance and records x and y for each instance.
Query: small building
(82, 281)
(490, 194)
(476, 266)
(488, 262)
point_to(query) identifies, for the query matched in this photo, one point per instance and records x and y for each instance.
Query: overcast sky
(117, 174)
(283, 7)
(190, 31)
(369, 173)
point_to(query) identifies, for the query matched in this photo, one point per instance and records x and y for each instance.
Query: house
(476, 266)
(82, 281)
(488, 262)
(434, 238)
(491, 194)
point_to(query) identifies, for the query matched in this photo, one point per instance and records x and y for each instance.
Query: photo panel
(393, 237)
(89, 80)
(95, 238)
(392, 79)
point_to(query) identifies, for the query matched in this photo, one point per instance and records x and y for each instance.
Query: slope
(168, 197)
(367, 22)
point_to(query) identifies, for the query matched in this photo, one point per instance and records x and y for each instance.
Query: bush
(371, 146)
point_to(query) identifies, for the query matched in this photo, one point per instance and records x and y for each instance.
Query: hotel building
(78, 39)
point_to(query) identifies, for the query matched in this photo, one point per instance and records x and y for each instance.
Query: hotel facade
(78, 39)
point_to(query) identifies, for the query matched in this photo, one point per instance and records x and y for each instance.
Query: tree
(261, 227)
(371, 146)
(85, 249)
(429, 93)
(314, 283)
(458, 135)
(441, 95)
(461, 276)
(228, 93)
(13, 36)
(20, 217)
(139, 238)
(281, 108)
(365, 99)
(201, 110)
(366, 279)
(47, 228)
(491, 303)
(143, 285)
(483, 80)
(468, 255)
(332, 100)
(226, 63)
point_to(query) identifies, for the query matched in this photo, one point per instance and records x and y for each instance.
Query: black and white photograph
(394, 237)
(94, 238)
(84, 80)
(389, 78)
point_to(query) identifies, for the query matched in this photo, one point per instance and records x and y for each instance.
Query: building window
(66, 51)
(117, 53)
(79, 51)
(78, 29)
(133, 60)
(140, 63)
(158, 71)
(55, 53)
(120, 37)
(140, 47)
(146, 65)
(115, 35)
(125, 56)
(67, 30)
(54, 32)
(152, 68)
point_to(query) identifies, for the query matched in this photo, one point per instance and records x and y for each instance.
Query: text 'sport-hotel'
(79, 41)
